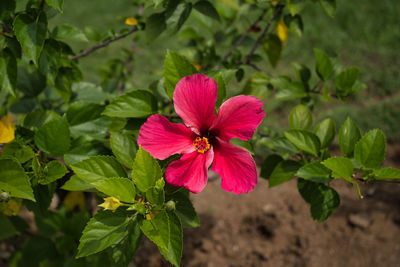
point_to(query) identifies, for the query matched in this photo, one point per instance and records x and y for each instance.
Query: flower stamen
(201, 144)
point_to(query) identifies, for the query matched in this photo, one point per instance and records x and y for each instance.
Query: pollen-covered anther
(201, 144)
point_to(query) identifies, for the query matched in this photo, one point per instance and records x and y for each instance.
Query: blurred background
(273, 227)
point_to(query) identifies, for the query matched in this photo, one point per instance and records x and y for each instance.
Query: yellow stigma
(201, 144)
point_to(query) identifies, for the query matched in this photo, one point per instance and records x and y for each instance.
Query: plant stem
(103, 44)
(277, 13)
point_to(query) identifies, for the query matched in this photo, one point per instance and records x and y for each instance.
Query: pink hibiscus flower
(205, 139)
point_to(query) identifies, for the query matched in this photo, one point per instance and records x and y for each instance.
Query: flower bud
(170, 205)
(4, 196)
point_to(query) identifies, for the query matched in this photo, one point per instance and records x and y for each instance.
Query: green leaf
(303, 73)
(340, 167)
(185, 209)
(98, 167)
(20, 152)
(14, 180)
(370, 150)
(123, 252)
(345, 80)
(295, 24)
(145, 171)
(178, 17)
(121, 188)
(7, 6)
(314, 172)
(135, 104)
(288, 90)
(49, 60)
(103, 230)
(245, 144)
(324, 65)
(283, 172)
(300, 118)
(57, 4)
(38, 117)
(155, 25)
(323, 199)
(155, 195)
(30, 81)
(124, 148)
(349, 134)
(206, 8)
(157, 230)
(37, 249)
(54, 137)
(82, 149)
(257, 85)
(81, 112)
(221, 88)
(329, 6)
(387, 173)
(304, 140)
(69, 32)
(76, 184)
(52, 171)
(89, 92)
(295, 6)
(63, 83)
(95, 129)
(325, 130)
(7, 229)
(281, 144)
(175, 68)
(273, 48)
(8, 71)
(269, 165)
(31, 34)
(174, 251)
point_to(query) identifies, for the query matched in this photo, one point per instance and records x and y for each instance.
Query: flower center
(201, 144)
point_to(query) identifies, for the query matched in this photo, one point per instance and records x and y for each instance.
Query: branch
(104, 44)
(5, 35)
(277, 13)
(5, 28)
(245, 34)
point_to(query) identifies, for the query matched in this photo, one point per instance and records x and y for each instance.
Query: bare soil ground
(273, 227)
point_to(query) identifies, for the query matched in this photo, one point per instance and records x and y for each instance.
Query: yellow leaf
(282, 31)
(274, 2)
(11, 207)
(111, 203)
(131, 21)
(7, 129)
(75, 199)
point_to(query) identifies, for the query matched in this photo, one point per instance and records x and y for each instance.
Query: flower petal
(162, 138)
(238, 117)
(190, 171)
(194, 101)
(236, 167)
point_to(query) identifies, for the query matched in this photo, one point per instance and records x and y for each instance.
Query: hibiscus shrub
(99, 166)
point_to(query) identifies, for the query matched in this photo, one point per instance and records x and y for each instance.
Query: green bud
(4, 196)
(170, 205)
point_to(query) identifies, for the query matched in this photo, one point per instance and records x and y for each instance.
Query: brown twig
(277, 13)
(104, 44)
(244, 35)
